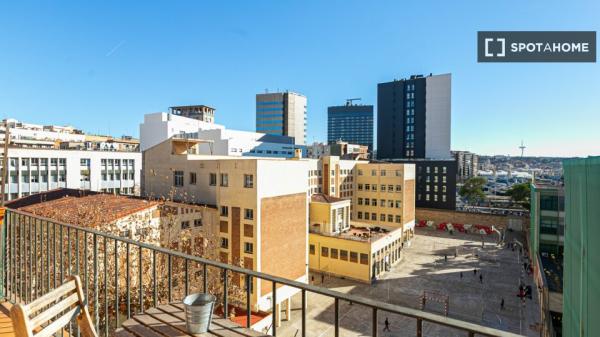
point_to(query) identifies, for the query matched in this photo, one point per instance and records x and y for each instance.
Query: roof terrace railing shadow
(122, 277)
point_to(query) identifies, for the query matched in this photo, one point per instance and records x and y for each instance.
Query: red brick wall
(283, 237)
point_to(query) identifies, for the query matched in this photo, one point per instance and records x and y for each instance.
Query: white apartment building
(34, 170)
(217, 140)
(39, 136)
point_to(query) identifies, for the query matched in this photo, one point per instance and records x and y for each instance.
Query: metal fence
(120, 278)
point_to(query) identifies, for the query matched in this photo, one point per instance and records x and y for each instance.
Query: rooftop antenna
(350, 100)
(522, 147)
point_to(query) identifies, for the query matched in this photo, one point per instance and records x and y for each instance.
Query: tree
(472, 190)
(520, 193)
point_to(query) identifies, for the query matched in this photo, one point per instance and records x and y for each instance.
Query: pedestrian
(502, 304)
(387, 325)
(312, 278)
(474, 271)
(322, 278)
(461, 275)
(480, 278)
(446, 257)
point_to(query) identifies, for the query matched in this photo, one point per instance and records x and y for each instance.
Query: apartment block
(263, 213)
(435, 182)
(413, 117)
(379, 198)
(35, 170)
(467, 164)
(350, 123)
(282, 114)
(546, 247)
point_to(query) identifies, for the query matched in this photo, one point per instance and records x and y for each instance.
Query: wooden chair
(53, 311)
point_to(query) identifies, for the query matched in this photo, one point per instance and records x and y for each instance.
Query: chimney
(298, 153)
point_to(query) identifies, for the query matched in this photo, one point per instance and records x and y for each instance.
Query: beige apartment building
(361, 216)
(263, 210)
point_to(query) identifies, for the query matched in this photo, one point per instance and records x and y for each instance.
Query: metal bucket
(198, 312)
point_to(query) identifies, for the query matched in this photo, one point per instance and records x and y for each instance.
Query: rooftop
(363, 234)
(89, 210)
(320, 197)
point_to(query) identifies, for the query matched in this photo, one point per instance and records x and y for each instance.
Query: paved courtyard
(424, 267)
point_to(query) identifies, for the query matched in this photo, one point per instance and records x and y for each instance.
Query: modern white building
(34, 170)
(217, 140)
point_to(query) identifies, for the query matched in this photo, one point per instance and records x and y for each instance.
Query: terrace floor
(6, 326)
(424, 267)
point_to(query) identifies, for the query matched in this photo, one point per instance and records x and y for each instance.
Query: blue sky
(101, 66)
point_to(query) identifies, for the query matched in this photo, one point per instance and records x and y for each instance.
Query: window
(224, 243)
(185, 224)
(248, 214)
(248, 247)
(197, 222)
(398, 188)
(374, 216)
(360, 187)
(344, 255)
(177, 178)
(367, 187)
(367, 201)
(374, 187)
(390, 218)
(390, 188)
(382, 202)
(360, 201)
(373, 172)
(224, 179)
(192, 178)
(360, 172)
(382, 217)
(324, 252)
(383, 173)
(311, 249)
(248, 180)
(398, 173)
(382, 188)
(353, 257)
(359, 215)
(213, 179)
(364, 258)
(390, 203)
(334, 253)
(374, 202)
(398, 203)
(398, 219)
(224, 211)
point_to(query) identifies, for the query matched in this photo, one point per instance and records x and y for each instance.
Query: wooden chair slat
(67, 295)
(59, 323)
(50, 297)
(54, 310)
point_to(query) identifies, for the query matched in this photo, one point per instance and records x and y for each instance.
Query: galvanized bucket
(198, 312)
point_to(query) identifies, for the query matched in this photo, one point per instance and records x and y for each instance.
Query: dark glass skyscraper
(350, 123)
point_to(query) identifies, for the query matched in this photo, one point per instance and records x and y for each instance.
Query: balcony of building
(125, 282)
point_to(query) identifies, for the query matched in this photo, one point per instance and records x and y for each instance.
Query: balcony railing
(120, 277)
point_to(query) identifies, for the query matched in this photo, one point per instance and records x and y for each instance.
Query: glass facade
(350, 123)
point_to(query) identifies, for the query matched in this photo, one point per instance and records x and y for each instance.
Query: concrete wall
(440, 215)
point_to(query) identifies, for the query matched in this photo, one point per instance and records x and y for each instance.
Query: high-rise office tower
(350, 123)
(413, 117)
(283, 114)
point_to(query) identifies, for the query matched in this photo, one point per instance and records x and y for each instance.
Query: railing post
(127, 282)
(140, 285)
(187, 277)
(117, 283)
(225, 303)
(303, 313)
(154, 280)
(275, 313)
(419, 327)
(248, 297)
(3, 269)
(169, 279)
(97, 314)
(105, 255)
(336, 317)
(374, 323)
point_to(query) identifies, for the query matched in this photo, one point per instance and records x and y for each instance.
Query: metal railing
(40, 252)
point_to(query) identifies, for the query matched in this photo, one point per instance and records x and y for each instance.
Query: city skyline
(64, 67)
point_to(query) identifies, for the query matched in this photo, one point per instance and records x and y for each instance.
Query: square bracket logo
(547, 46)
